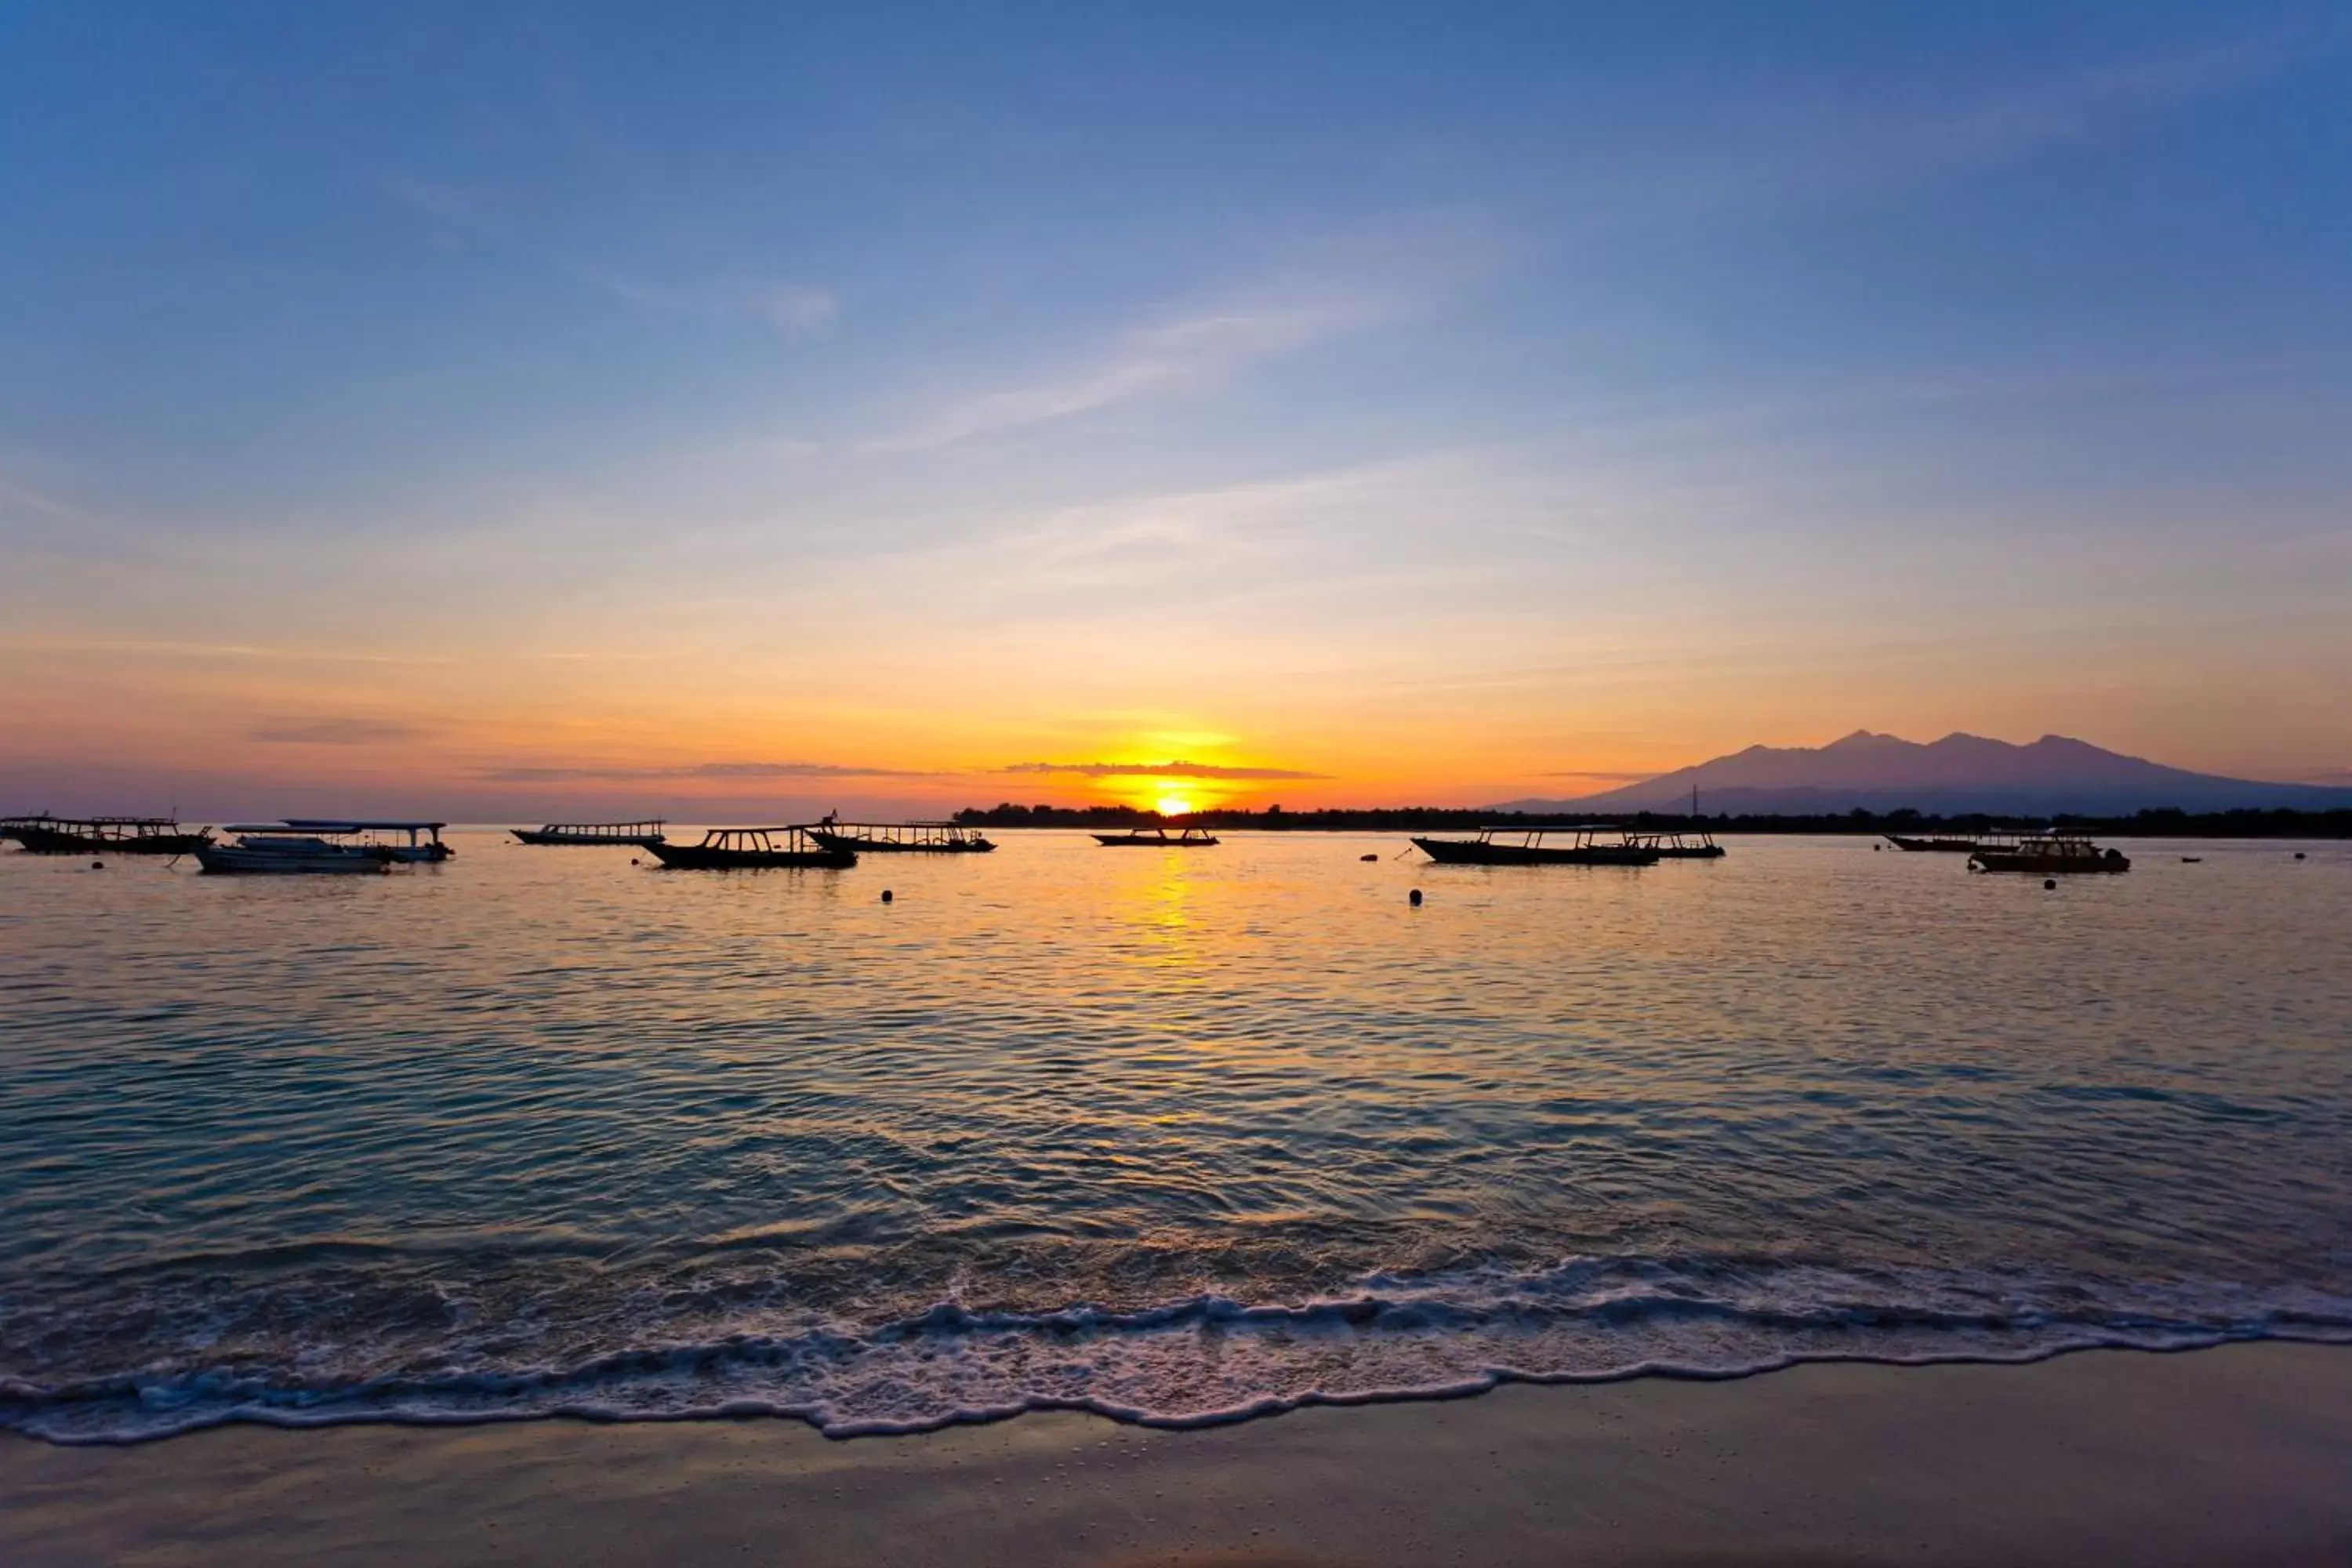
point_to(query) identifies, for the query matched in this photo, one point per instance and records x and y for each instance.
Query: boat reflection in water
(1549, 844)
(751, 848)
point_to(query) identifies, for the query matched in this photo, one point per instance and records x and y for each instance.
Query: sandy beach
(2240, 1455)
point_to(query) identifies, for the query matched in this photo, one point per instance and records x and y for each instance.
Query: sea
(1175, 1136)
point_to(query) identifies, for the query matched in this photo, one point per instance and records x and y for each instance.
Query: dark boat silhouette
(103, 835)
(1158, 838)
(1938, 844)
(1564, 844)
(639, 834)
(750, 848)
(2050, 855)
(898, 838)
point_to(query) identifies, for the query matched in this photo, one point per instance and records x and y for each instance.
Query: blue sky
(1438, 399)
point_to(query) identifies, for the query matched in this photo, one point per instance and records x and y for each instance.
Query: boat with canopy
(751, 848)
(1158, 838)
(1562, 844)
(400, 842)
(642, 834)
(279, 848)
(898, 838)
(47, 834)
(2050, 853)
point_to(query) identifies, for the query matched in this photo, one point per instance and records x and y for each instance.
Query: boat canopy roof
(357, 824)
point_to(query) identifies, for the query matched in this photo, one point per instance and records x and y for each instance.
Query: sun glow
(1172, 805)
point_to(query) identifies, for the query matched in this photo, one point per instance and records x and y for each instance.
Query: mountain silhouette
(1958, 774)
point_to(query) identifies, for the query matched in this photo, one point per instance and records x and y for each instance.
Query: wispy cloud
(699, 771)
(1615, 775)
(334, 733)
(1178, 770)
(793, 310)
(141, 649)
(1156, 358)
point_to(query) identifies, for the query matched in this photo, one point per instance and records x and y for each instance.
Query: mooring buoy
(886, 895)
(1366, 856)
(1414, 898)
(2049, 884)
(2298, 854)
(98, 865)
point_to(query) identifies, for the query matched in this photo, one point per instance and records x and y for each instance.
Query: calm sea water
(1172, 1135)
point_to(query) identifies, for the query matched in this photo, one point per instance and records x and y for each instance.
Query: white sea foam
(1210, 1359)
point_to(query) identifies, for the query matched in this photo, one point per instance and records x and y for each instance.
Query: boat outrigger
(1559, 844)
(898, 838)
(1158, 838)
(638, 834)
(279, 848)
(2048, 855)
(46, 835)
(749, 849)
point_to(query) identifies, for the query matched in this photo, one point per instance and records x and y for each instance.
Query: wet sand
(2242, 1455)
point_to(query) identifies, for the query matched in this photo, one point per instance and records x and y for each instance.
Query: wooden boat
(1158, 838)
(1680, 844)
(2050, 855)
(749, 849)
(104, 836)
(277, 849)
(639, 834)
(399, 843)
(898, 838)
(1933, 844)
(1566, 844)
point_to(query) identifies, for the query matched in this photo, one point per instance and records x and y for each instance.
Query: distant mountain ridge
(2053, 775)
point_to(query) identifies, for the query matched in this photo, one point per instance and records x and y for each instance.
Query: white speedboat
(266, 849)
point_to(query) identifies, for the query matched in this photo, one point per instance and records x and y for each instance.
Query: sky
(509, 410)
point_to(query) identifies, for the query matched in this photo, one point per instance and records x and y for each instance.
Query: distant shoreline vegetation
(2163, 823)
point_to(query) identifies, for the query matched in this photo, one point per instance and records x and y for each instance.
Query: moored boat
(898, 838)
(400, 842)
(1934, 842)
(751, 848)
(1157, 837)
(2050, 853)
(1565, 844)
(103, 835)
(639, 834)
(1679, 843)
(277, 850)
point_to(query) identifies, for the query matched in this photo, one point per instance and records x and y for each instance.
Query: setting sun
(1172, 805)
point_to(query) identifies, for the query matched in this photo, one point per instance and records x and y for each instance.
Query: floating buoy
(633, 860)
(1366, 856)
(886, 895)
(1414, 898)
(2049, 884)
(100, 864)
(2298, 854)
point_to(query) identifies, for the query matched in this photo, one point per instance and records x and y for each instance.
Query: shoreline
(2232, 1454)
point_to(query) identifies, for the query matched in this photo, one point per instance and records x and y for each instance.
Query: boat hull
(1933, 846)
(1129, 841)
(56, 841)
(1691, 852)
(1471, 852)
(221, 860)
(703, 857)
(2107, 862)
(633, 840)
